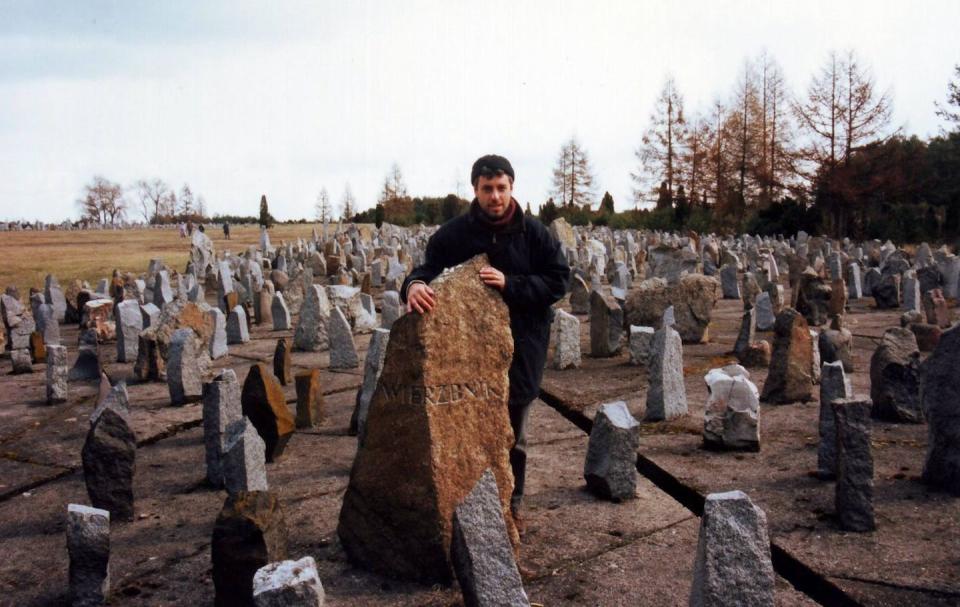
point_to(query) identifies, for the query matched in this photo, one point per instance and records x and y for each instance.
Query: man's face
(493, 194)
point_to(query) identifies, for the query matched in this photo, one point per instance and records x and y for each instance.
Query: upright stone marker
(482, 556)
(834, 385)
(391, 309)
(280, 313)
(88, 546)
(129, 325)
(311, 333)
(372, 367)
(237, 330)
(249, 533)
(606, 325)
(87, 365)
(109, 456)
(264, 403)
(732, 416)
(940, 397)
(282, 365)
(343, 352)
(221, 408)
(441, 402)
(733, 565)
(790, 376)
(184, 368)
(641, 345)
(57, 372)
(895, 377)
(311, 408)
(566, 354)
(244, 467)
(854, 491)
(610, 468)
(667, 395)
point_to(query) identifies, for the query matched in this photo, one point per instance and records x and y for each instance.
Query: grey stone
(218, 338)
(566, 332)
(854, 491)
(311, 333)
(610, 468)
(372, 366)
(886, 292)
(834, 385)
(837, 345)
(162, 293)
(579, 296)
(854, 284)
(221, 409)
(87, 365)
(288, 584)
(57, 372)
(22, 361)
(114, 398)
(150, 314)
(606, 325)
(109, 456)
(53, 295)
(243, 460)
(88, 546)
(732, 416)
(184, 368)
(47, 325)
(733, 565)
(129, 325)
(641, 345)
(747, 335)
(280, 313)
(910, 289)
(729, 284)
(481, 553)
(667, 396)
(237, 330)
(895, 377)
(343, 352)
(765, 314)
(940, 398)
(391, 309)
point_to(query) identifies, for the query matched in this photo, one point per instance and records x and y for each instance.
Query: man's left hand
(493, 277)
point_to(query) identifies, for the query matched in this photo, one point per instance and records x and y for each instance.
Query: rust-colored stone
(311, 407)
(282, 365)
(38, 350)
(149, 365)
(232, 299)
(789, 378)
(438, 419)
(265, 406)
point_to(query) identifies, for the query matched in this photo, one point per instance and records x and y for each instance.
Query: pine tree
(266, 219)
(323, 211)
(573, 177)
(347, 204)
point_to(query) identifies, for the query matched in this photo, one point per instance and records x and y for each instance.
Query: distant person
(183, 230)
(226, 230)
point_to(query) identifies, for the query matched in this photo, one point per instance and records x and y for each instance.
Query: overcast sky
(240, 99)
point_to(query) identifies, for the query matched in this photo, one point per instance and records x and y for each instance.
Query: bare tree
(775, 164)
(323, 211)
(742, 134)
(694, 157)
(393, 186)
(953, 98)
(348, 204)
(186, 200)
(153, 194)
(102, 201)
(661, 144)
(572, 176)
(866, 114)
(717, 154)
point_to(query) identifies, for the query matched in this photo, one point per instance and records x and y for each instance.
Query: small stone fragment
(288, 584)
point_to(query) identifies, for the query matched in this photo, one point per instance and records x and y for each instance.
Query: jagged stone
(218, 338)
(242, 463)
(732, 415)
(288, 584)
(87, 365)
(109, 456)
(221, 408)
(280, 313)
(666, 396)
(343, 352)
(441, 402)
(372, 368)
(282, 365)
(606, 325)
(886, 292)
(610, 468)
(311, 333)
(733, 565)
(579, 296)
(392, 309)
(185, 369)
(641, 345)
(88, 546)
(311, 408)
(834, 385)
(264, 403)
(237, 329)
(693, 298)
(789, 378)
(57, 372)
(895, 378)
(482, 556)
(854, 490)
(566, 330)
(836, 344)
(249, 533)
(940, 400)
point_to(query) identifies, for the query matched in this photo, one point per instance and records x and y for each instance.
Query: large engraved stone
(790, 376)
(441, 402)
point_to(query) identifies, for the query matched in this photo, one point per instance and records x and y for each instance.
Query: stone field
(646, 429)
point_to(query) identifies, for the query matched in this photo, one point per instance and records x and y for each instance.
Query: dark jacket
(537, 275)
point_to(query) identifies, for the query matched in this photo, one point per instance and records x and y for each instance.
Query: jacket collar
(517, 225)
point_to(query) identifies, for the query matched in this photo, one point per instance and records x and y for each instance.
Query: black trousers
(519, 413)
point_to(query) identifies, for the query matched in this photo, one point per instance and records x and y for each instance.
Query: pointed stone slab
(243, 464)
(482, 556)
(265, 405)
(372, 367)
(109, 457)
(311, 332)
(790, 376)
(282, 365)
(566, 353)
(311, 407)
(441, 402)
(733, 565)
(221, 408)
(834, 385)
(343, 352)
(667, 395)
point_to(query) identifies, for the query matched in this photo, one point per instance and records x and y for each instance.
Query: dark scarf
(496, 224)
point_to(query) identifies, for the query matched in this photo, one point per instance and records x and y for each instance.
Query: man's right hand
(420, 298)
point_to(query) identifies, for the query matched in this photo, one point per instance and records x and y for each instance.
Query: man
(529, 270)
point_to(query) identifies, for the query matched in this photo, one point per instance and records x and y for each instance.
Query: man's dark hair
(491, 166)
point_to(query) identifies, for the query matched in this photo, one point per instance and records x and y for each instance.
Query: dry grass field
(92, 255)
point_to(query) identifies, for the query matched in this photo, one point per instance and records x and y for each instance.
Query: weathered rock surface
(834, 385)
(854, 490)
(940, 398)
(606, 325)
(221, 408)
(789, 378)
(109, 457)
(288, 584)
(895, 378)
(732, 416)
(264, 404)
(441, 401)
(566, 337)
(667, 396)
(88, 546)
(693, 299)
(610, 468)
